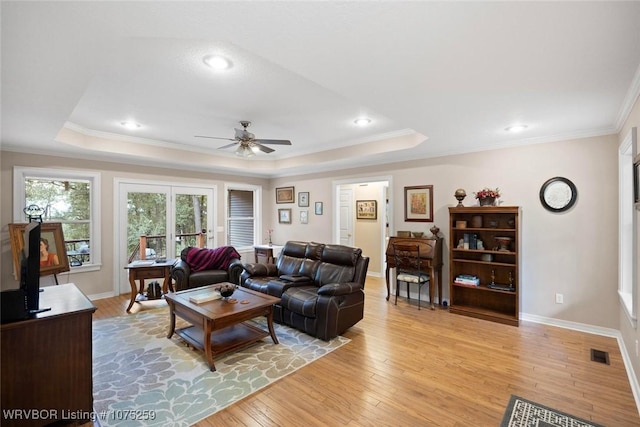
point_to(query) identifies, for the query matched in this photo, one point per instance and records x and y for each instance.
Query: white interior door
(346, 216)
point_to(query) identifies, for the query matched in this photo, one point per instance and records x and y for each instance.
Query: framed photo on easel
(53, 251)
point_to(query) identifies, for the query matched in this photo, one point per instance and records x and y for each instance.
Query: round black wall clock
(558, 194)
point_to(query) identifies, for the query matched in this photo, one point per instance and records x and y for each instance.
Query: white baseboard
(607, 332)
(101, 296)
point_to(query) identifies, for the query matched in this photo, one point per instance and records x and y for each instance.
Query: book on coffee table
(204, 296)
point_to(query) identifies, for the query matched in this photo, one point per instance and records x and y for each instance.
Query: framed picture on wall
(418, 203)
(284, 216)
(366, 209)
(303, 199)
(285, 195)
(318, 208)
(304, 217)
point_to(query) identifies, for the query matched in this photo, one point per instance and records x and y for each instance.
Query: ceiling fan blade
(274, 141)
(214, 137)
(263, 148)
(228, 145)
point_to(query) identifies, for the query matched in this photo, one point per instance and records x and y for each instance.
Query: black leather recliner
(321, 286)
(184, 278)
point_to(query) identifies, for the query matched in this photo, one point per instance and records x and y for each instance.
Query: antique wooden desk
(431, 252)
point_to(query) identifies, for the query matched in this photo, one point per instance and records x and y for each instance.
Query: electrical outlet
(559, 299)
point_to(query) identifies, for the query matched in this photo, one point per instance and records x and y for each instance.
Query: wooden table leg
(432, 288)
(166, 285)
(134, 290)
(208, 351)
(272, 332)
(172, 321)
(386, 275)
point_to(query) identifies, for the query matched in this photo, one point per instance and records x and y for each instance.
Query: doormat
(525, 413)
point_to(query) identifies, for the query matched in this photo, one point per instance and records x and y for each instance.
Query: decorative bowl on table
(417, 234)
(226, 290)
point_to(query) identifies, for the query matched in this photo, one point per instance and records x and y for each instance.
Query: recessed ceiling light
(217, 62)
(130, 125)
(516, 128)
(362, 121)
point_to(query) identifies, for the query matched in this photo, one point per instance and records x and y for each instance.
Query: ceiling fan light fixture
(362, 121)
(217, 62)
(244, 151)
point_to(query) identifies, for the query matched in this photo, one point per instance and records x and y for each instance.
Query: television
(30, 268)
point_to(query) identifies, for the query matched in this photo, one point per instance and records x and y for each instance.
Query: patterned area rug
(525, 413)
(141, 378)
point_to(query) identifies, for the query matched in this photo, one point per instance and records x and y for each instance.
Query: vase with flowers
(270, 232)
(487, 196)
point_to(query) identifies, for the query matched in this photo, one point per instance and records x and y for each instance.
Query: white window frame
(627, 240)
(21, 173)
(257, 214)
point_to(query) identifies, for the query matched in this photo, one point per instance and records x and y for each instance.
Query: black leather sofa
(184, 277)
(321, 286)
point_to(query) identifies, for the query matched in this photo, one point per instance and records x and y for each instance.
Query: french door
(171, 217)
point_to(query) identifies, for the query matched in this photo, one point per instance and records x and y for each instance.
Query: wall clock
(558, 194)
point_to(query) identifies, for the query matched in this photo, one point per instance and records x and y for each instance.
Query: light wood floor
(405, 367)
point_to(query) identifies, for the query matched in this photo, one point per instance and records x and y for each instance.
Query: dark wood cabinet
(484, 262)
(47, 361)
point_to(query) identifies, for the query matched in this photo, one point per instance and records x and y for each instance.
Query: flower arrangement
(269, 232)
(487, 192)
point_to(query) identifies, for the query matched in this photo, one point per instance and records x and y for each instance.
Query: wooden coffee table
(217, 326)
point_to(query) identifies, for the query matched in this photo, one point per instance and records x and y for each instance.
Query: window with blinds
(241, 218)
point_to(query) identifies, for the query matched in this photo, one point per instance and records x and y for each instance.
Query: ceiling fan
(247, 143)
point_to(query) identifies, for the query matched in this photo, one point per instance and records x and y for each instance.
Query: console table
(148, 269)
(268, 253)
(47, 362)
(430, 252)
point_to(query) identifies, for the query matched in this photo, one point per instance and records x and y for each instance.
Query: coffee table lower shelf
(224, 340)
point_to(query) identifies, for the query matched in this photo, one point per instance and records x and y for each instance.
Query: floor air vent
(599, 356)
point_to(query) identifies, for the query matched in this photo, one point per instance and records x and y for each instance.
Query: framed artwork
(304, 217)
(53, 251)
(284, 216)
(303, 199)
(418, 203)
(285, 195)
(318, 208)
(366, 209)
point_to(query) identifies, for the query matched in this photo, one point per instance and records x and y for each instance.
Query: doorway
(171, 216)
(369, 234)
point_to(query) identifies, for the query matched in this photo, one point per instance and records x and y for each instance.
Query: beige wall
(101, 282)
(574, 253)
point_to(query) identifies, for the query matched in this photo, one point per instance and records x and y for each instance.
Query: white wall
(631, 335)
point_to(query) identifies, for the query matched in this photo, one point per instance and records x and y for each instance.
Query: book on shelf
(466, 279)
(204, 295)
(473, 241)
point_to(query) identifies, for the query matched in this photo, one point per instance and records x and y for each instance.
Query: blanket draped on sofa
(211, 259)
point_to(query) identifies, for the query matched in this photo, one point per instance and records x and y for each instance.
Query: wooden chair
(408, 269)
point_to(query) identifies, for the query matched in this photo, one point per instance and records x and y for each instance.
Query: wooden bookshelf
(496, 262)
